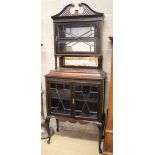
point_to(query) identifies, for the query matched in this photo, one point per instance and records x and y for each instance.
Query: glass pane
(86, 101)
(76, 38)
(80, 32)
(75, 32)
(73, 46)
(59, 108)
(79, 46)
(81, 61)
(60, 98)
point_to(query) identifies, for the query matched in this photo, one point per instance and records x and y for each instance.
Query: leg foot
(47, 121)
(100, 127)
(48, 142)
(100, 151)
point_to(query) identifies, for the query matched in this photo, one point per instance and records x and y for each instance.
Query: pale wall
(52, 7)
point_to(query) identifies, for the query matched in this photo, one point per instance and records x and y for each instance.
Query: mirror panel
(81, 61)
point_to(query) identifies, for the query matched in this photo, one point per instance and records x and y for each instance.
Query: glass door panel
(76, 38)
(75, 46)
(60, 98)
(86, 101)
(76, 32)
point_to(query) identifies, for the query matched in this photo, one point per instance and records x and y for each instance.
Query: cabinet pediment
(84, 10)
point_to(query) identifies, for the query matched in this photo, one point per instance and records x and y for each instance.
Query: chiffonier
(75, 89)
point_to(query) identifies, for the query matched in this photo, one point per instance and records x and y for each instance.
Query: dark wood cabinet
(75, 98)
(75, 90)
(73, 38)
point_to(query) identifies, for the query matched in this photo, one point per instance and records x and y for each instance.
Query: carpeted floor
(71, 143)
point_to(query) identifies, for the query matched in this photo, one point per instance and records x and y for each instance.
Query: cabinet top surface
(77, 73)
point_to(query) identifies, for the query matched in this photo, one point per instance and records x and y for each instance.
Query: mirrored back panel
(90, 62)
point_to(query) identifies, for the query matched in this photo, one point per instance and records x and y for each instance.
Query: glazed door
(76, 38)
(86, 100)
(59, 98)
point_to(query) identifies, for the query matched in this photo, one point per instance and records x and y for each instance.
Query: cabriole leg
(57, 121)
(100, 127)
(47, 121)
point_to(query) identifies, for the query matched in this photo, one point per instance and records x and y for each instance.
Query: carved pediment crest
(86, 11)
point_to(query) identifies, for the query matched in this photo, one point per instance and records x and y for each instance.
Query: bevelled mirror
(81, 61)
(88, 62)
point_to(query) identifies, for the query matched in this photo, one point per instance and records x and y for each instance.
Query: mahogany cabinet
(76, 99)
(75, 90)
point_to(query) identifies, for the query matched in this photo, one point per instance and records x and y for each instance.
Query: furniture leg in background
(108, 140)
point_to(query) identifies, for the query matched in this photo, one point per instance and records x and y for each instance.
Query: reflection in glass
(76, 39)
(76, 46)
(75, 32)
(86, 101)
(80, 46)
(60, 98)
(80, 32)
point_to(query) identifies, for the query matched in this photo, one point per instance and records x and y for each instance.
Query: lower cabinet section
(76, 101)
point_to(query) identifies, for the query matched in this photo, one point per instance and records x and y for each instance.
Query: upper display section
(78, 32)
(70, 12)
(76, 38)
